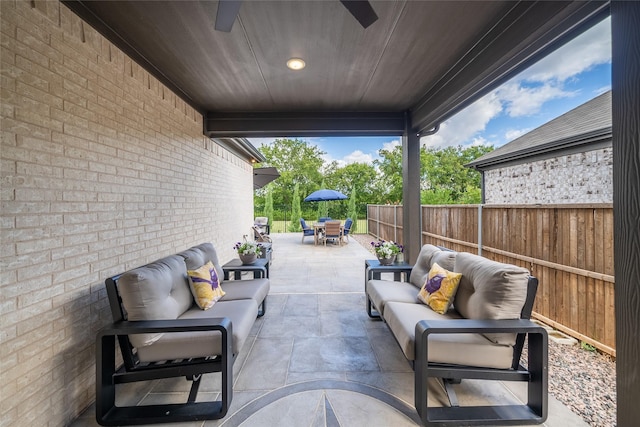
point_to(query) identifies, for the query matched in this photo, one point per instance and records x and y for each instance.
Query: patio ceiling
(418, 64)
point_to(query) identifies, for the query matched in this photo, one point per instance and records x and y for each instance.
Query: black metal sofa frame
(535, 411)
(535, 374)
(108, 375)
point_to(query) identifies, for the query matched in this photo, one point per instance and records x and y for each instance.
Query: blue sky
(570, 76)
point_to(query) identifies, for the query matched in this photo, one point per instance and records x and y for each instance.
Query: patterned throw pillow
(439, 288)
(205, 286)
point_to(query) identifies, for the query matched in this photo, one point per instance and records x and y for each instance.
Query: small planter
(248, 259)
(387, 261)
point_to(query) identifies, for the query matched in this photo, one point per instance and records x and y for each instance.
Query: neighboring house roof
(587, 124)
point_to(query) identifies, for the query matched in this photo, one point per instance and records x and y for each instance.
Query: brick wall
(576, 178)
(102, 169)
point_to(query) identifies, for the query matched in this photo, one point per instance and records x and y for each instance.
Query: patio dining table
(318, 232)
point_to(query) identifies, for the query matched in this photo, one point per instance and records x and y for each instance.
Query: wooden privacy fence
(569, 248)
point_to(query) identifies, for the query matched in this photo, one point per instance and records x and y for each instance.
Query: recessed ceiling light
(295, 64)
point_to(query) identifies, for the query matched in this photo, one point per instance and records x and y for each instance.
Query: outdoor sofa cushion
(180, 345)
(458, 349)
(490, 290)
(382, 291)
(156, 291)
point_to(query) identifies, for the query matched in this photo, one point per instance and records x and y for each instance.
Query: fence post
(395, 223)
(378, 222)
(480, 229)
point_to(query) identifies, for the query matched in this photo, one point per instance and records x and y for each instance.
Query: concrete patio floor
(316, 359)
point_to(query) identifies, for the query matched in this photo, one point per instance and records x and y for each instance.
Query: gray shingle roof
(586, 123)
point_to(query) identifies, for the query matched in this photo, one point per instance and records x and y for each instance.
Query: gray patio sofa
(163, 333)
(480, 337)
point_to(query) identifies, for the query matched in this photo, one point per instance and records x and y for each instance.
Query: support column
(411, 212)
(625, 32)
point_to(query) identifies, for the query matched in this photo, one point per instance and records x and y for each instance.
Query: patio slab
(317, 359)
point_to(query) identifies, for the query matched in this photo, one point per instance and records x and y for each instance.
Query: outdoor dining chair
(347, 228)
(306, 230)
(332, 230)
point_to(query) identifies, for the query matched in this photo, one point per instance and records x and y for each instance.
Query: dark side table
(260, 268)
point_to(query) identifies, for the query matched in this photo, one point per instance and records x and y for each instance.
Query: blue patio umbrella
(324, 195)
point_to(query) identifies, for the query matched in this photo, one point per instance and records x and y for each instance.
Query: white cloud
(591, 48)
(527, 93)
(523, 101)
(389, 146)
(358, 157)
(512, 134)
(462, 127)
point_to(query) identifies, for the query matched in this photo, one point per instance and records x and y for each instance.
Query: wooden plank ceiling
(421, 60)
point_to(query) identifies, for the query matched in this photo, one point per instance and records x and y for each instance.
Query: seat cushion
(156, 291)
(255, 289)
(490, 290)
(457, 349)
(181, 345)
(382, 291)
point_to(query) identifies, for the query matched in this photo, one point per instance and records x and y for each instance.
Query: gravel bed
(584, 381)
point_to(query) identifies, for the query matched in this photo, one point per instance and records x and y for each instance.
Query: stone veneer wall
(576, 178)
(102, 169)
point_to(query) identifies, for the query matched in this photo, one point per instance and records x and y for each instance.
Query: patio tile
(301, 305)
(332, 354)
(266, 366)
(388, 353)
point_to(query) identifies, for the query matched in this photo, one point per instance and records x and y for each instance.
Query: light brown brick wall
(102, 169)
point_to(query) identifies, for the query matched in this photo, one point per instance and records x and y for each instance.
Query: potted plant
(248, 251)
(386, 251)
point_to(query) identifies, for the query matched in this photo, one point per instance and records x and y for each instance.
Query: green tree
(352, 211)
(323, 209)
(268, 206)
(361, 177)
(389, 186)
(296, 214)
(445, 173)
(298, 162)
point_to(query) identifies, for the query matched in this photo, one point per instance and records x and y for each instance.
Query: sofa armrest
(535, 375)
(108, 375)
(222, 324)
(105, 342)
(537, 354)
(460, 326)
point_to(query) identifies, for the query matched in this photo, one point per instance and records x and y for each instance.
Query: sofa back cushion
(156, 291)
(430, 254)
(490, 290)
(197, 256)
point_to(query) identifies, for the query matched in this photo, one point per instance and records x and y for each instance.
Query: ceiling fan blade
(361, 10)
(227, 13)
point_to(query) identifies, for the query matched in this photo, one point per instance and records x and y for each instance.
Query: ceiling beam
(227, 12)
(361, 10)
(246, 125)
(514, 43)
